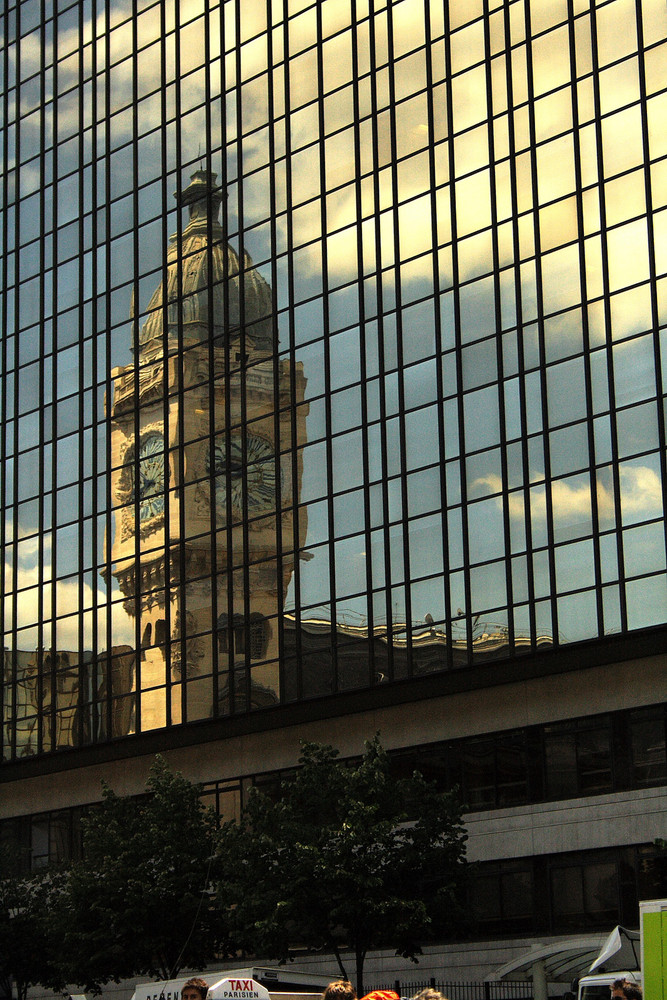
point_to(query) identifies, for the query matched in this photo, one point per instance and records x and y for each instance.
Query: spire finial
(203, 198)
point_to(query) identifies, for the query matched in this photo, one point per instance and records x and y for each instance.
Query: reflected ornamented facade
(64, 701)
(434, 398)
(201, 440)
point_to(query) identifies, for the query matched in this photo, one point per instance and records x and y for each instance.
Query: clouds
(361, 155)
(640, 497)
(326, 145)
(68, 608)
(641, 493)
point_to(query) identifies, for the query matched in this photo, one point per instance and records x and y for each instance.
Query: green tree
(138, 904)
(346, 858)
(29, 954)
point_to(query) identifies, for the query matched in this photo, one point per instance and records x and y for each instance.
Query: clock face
(260, 474)
(150, 485)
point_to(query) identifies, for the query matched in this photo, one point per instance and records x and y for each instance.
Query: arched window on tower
(259, 636)
(146, 640)
(250, 634)
(160, 632)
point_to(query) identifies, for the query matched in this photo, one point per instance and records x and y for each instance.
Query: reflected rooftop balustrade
(72, 698)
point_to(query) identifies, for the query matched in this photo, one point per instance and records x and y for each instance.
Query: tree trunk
(360, 956)
(343, 971)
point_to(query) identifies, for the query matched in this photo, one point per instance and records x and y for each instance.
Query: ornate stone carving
(195, 648)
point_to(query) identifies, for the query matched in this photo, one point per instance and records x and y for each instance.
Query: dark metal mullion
(399, 348)
(468, 610)
(618, 529)
(212, 348)
(15, 413)
(509, 596)
(135, 575)
(277, 367)
(82, 669)
(226, 531)
(169, 492)
(108, 517)
(180, 393)
(518, 294)
(590, 429)
(326, 335)
(17, 319)
(139, 565)
(97, 668)
(55, 442)
(296, 459)
(216, 476)
(242, 376)
(42, 367)
(7, 697)
(386, 535)
(540, 327)
(444, 526)
(373, 673)
(655, 312)
(226, 444)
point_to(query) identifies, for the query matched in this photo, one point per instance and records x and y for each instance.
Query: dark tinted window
(649, 756)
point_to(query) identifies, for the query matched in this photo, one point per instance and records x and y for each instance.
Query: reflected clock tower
(207, 426)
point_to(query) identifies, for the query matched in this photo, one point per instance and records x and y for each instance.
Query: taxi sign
(238, 989)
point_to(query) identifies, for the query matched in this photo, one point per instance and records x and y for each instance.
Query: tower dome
(208, 290)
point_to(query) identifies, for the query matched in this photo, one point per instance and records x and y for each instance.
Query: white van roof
(275, 980)
(607, 978)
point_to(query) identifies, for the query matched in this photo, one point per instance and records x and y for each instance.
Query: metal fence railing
(501, 990)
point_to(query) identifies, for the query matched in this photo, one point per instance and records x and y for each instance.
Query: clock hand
(146, 484)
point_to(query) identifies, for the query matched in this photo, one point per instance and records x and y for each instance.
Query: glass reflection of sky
(395, 213)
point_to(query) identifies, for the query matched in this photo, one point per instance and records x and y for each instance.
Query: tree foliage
(346, 858)
(29, 953)
(138, 903)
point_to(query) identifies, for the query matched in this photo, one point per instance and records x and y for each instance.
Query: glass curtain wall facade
(379, 392)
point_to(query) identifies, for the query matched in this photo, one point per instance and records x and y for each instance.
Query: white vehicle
(619, 958)
(647, 947)
(241, 984)
(598, 986)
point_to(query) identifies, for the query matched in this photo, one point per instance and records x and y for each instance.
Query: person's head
(429, 994)
(341, 989)
(381, 995)
(194, 989)
(623, 989)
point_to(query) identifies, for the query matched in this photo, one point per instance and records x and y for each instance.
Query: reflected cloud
(641, 492)
(70, 600)
(34, 593)
(415, 211)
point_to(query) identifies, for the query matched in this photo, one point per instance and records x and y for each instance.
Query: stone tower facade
(207, 430)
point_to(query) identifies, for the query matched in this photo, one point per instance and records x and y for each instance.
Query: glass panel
(278, 420)
(649, 755)
(567, 892)
(601, 893)
(560, 764)
(479, 776)
(594, 761)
